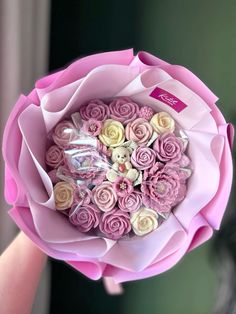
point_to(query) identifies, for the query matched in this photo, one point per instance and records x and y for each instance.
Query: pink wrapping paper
(29, 189)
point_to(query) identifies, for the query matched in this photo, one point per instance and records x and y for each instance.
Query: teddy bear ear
(130, 150)
(130, 144)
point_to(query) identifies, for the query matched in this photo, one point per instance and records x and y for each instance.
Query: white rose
(144, 221)
(112, 133)
(162, 122)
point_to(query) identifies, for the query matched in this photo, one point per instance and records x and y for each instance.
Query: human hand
(21, 265)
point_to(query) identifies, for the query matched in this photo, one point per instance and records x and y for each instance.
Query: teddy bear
(121, 165)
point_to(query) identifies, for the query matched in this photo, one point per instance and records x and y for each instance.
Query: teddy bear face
(120, 155)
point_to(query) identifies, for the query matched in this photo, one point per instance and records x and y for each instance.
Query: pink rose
(64, 133)
(123, 109)
(53, 176)
(168, 147)
(115, 224)
(84, 217)
(143, 158)
(104, 196)
(146, 112)
(131, 202)
(94, 109)
(92, 127)
(28, 188)
(54, 156)
(162, 187)
(123, 186)
(139, 131)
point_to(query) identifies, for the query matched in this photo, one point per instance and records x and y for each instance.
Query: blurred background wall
(24, 49)
(200, 35)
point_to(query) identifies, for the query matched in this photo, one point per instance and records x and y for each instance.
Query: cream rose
(144, 221)
(63, 194)
(162, 122)
(112, 133)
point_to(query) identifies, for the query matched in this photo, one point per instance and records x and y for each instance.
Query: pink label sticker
(168, 98)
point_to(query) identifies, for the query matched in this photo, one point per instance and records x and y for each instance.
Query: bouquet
(117, 169)
(118, 165)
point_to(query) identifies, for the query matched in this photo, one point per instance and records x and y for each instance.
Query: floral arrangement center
(118, 168)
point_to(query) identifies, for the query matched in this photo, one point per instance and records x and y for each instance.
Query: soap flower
(63, 194)
(139, 131)
(94, 109)
(123, 109)
(123, 186)
(162, 122)
(115, 224)
(144, 221)
(112, 133)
